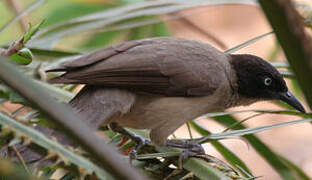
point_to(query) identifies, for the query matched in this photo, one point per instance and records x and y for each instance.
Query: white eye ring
(267, 81)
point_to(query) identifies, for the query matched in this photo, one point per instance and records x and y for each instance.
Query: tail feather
(59, 69)
(97, 105)
(61, 80)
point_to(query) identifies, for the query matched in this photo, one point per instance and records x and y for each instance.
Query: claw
(132, 155)
(185, 154)
(191, 150)
(197, 148)
(141, 142)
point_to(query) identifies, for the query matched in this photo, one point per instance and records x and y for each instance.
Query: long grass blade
(284, 112)
(51, 145)
(247, 43)
(302, 175)
(109, 17)
(280, 64)
(270, 156)
(225, 152)
(248, 131)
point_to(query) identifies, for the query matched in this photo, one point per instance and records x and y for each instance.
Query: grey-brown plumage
(161, 83)
(167, 66)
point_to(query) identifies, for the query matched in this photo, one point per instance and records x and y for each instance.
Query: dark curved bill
(290, 99)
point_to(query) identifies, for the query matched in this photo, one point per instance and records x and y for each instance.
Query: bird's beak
(290, 99)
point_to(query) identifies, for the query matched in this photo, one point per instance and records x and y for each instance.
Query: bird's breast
(149, 112)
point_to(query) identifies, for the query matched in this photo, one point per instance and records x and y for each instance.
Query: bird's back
(168, 66)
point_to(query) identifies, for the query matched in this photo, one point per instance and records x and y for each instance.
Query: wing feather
(167, 66)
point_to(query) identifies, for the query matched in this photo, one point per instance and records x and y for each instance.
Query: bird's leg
(190, 149)
(140, 142)
(193, 149)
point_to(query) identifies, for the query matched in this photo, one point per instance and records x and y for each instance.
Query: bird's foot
(191, 149)
(185, 154)
(188, 145)
(140, 143)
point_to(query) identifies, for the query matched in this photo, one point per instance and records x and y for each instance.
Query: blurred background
(223, 26)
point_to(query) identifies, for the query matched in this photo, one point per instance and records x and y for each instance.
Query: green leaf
(270, 156)
(52, 53)
(140, 33)
(7, 94)
(72, 10)
(48, 52)
(269, 111)
(68, 176)
(32, 31)
(58, 93)
(109, 17)
(292, 38)
(51, 145)
(297, 170)
(278, 64)
(22, 57)
(226, 153)
(12, 171)
(274, 51)
(202, 170)
(23, 13)
(287, 74)
(154, 30)
(17, 99)
(297, 91)
(4, 92)
(160, 29)
(100, 40)
(156, 155)
(248, 131)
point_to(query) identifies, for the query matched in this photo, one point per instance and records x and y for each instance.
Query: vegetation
(32, 141)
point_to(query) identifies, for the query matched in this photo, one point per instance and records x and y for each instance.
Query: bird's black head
(257, 79)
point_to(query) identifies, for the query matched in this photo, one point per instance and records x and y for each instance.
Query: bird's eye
(267, 81)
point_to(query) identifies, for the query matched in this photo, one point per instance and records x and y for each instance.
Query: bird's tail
(62, 80)
(98, 104)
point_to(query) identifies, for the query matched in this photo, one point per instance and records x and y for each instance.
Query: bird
(161, 83)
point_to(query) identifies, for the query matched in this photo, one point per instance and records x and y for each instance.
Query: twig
(20, 158)
(13, 48)
(20, 44)
(73, 126)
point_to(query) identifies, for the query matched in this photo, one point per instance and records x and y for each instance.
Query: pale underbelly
(150, 113)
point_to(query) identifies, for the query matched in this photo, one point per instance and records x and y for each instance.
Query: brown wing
(167, 66)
